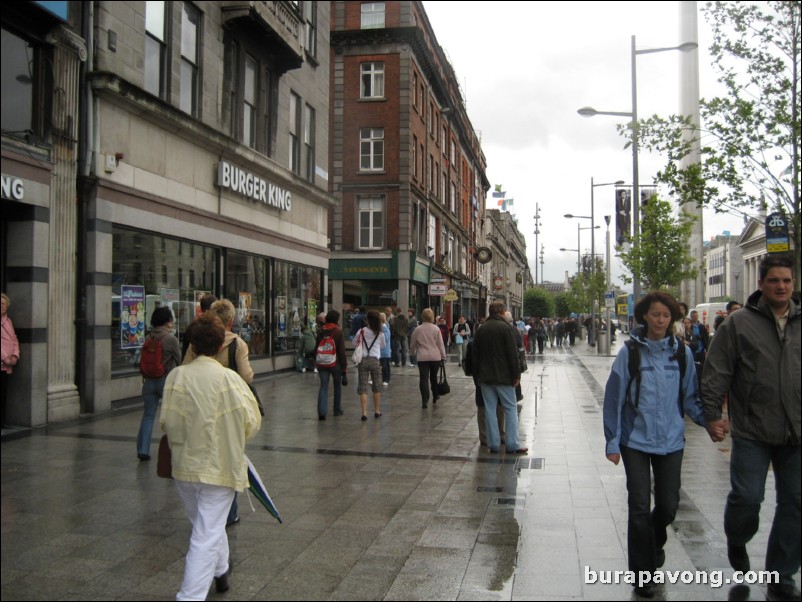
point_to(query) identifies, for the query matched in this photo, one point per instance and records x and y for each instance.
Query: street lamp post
(633, 114)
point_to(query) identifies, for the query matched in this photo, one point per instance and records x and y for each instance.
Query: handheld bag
(164, 464)
(458, 340)
(443, 388)
(358, 353)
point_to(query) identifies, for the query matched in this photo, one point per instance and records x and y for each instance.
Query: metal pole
(593, 330)
(636, 288)
(578, 251)
(607, 308)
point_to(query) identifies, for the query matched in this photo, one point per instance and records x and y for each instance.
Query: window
(372, 80)
(414, 156)
(429, 169)
(310, 27)
(250, 94)
(157, 265)
(443, 186)
(430, 117)
(371, 149)
(190, 20)
(414, 88)
(373, 15)
(297, 299)
(453, 199)
(432, 237)
(371, 222)
(443, 140)
(309, 142)
(295, 129)
(245, 288)
(453, 153)
(155, 48)
(21, 85)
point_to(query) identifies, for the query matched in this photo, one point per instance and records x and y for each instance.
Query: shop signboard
(437, 290)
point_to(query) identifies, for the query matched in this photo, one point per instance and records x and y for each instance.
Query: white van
(708, 312)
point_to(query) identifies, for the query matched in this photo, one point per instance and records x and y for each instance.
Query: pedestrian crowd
(744, 381)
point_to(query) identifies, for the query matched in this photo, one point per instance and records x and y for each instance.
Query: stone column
(63, 400)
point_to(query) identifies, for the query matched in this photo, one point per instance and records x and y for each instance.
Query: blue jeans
(323, 393)
(152, 390)
(646, 528)
(505, 395)
(749, 465)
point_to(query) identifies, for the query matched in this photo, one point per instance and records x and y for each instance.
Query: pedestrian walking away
(498, 371)
(427, 343)
(332, 364)
(209, 412)
(754, 360)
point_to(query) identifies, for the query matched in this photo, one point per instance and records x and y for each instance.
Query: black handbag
(443, 388)
(232, 364)
(164, 463)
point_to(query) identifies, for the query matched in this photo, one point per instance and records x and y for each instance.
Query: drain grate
(530, 464)
(489, 489)
(506, 501)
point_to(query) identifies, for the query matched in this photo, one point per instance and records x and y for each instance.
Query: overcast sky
(526, 67)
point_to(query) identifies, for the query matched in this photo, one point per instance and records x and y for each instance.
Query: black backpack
(467, 361)
(634, 370)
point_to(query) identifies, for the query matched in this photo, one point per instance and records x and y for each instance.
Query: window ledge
(373, 99)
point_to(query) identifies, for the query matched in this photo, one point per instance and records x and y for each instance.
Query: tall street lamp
(633, 114)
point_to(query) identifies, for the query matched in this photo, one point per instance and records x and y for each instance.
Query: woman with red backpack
(331, 363)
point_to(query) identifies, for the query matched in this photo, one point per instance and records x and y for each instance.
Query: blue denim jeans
(323, 394)
(646, 527)
(749, 465)
(152, 390)
(505, 395)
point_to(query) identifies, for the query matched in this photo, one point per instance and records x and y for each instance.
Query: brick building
(406, 164)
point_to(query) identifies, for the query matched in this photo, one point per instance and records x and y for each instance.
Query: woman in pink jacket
(427, 342)
(10, 350)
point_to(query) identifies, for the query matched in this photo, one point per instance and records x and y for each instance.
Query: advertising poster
(198, 296)
(311, 314)
(281, 309)
(296, 318)
(244, 317)
(132, 316)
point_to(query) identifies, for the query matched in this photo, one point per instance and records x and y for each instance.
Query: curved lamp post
(633, 114)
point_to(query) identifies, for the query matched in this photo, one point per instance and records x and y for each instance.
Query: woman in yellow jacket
(208, 412)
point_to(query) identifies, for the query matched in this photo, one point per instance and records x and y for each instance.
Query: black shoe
(434, 399)
(739, 559)
(364, 417)
(221, 583)
(783, 591)
(660, 557)
(377, 414)
(232, 522)
(424, 405)
(321, 416)
(646, 591)
(338, 412)
(143, 457)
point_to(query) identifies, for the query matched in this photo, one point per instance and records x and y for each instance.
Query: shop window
(148, 272)
(246, 277)
(297, 302)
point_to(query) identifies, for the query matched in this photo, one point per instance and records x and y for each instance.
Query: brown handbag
(164, 465)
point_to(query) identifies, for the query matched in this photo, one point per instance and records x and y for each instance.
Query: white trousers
(207, 508)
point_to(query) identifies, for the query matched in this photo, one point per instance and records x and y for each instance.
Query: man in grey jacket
(496, 367)
(754, 361)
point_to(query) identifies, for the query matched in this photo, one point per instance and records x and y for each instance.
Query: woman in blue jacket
(644, 424)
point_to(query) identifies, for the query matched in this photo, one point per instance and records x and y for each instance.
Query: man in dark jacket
(754, 359)
(495, 364)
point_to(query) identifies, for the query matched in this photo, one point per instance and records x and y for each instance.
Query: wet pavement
(404, 507)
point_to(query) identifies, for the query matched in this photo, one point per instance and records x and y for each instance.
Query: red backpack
(326, 353)
(150, 359)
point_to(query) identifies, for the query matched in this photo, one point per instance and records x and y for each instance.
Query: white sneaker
(385, 384)
(315, 370)
(303, 369)
(411, 365)
(370, 382)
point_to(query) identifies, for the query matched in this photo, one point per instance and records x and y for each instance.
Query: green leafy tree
(749, 137)
(660, 256)
(563, 304)
(538, 302)
(586, 287)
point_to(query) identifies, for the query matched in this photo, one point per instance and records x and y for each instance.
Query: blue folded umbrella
(257, 487)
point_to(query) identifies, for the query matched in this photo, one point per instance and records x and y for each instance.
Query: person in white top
(372, 339)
